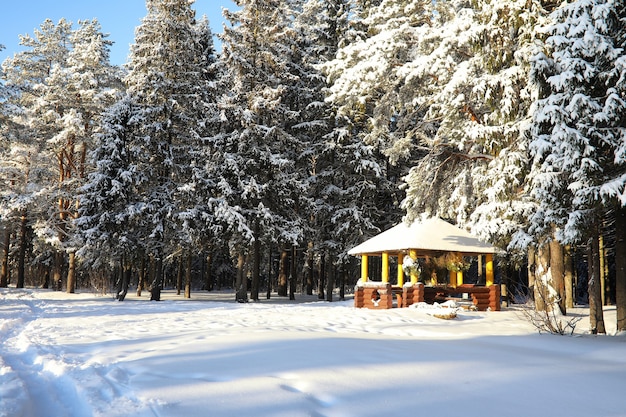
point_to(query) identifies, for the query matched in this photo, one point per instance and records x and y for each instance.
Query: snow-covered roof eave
(426, 236)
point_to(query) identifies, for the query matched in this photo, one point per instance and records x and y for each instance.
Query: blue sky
(117, 17)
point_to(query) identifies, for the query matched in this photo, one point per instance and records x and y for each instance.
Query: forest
(318, 124)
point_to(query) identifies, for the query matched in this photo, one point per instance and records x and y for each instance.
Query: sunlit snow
(87, 355)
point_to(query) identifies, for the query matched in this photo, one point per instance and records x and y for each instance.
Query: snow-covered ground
(83, 355)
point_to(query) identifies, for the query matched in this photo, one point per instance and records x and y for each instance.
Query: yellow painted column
(400, 270)
(489, 269)
(459, 278)
(414, 277)
(385, 268)
(364, 271)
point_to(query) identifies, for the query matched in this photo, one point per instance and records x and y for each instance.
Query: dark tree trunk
(293, 278)
(142, 276)
(4, 269)
(321, 283)
(309, 270)
(282, 273)
(620, 268)
(557, 268)
(21, 256)
(596, 315)
(270, 271)
(330, 284)
(57, 271)
(241, 283)
(124, 279)
(344, 278)
(157, 280)
(209, 277)
(179, 277)
(188, 277)
(256, 266)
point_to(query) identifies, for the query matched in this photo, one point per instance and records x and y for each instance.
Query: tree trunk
(321, 277)
(557, 268)
(596, 315)
(330, 284)
(57, 271)
(342, 284)
(620, 267)
(256, 266)
(71, 273)
(282, 273)
(141, 282)
(532, 268)
(569, 277)
(268, 295)
(188, 277)
(124, 279)
(241, 283)
(157, 280)
(21, 256)
(4, 269)
(179, 277)
(309, 270)
(542, 278)
(293, 281)
(209, 277)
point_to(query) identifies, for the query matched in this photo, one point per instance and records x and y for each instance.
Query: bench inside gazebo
(424, 238)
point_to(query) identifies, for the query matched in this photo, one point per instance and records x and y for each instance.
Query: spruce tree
(578, 130)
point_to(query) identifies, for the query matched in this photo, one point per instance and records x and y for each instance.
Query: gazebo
(424, 238)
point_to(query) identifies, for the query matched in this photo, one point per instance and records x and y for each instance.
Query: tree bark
(209, 277)
(342, 284)
(179, 277)
(71, 273)
(157, 280)
(596, 315)
(542, 278)
(282, 273)
(188, 277)
(620, 267)
(309, 270)
(321, 277)
(241, 283)
(4, 269)
(268, 295)
(124, 279)
(293, 281)
(256, 266)
(21, 257)
(141, 282)
(330, 284)
(532, 268)
(557, 269)
(569, 277)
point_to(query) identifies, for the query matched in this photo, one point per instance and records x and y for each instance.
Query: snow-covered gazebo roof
(426, 236)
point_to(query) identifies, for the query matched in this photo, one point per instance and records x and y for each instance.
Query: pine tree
(64, 81)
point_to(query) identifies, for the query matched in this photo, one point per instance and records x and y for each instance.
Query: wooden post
(414, 277)
(385, 268)
(364, 272)
(400, 270)
(489, 269)
(452, 280)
